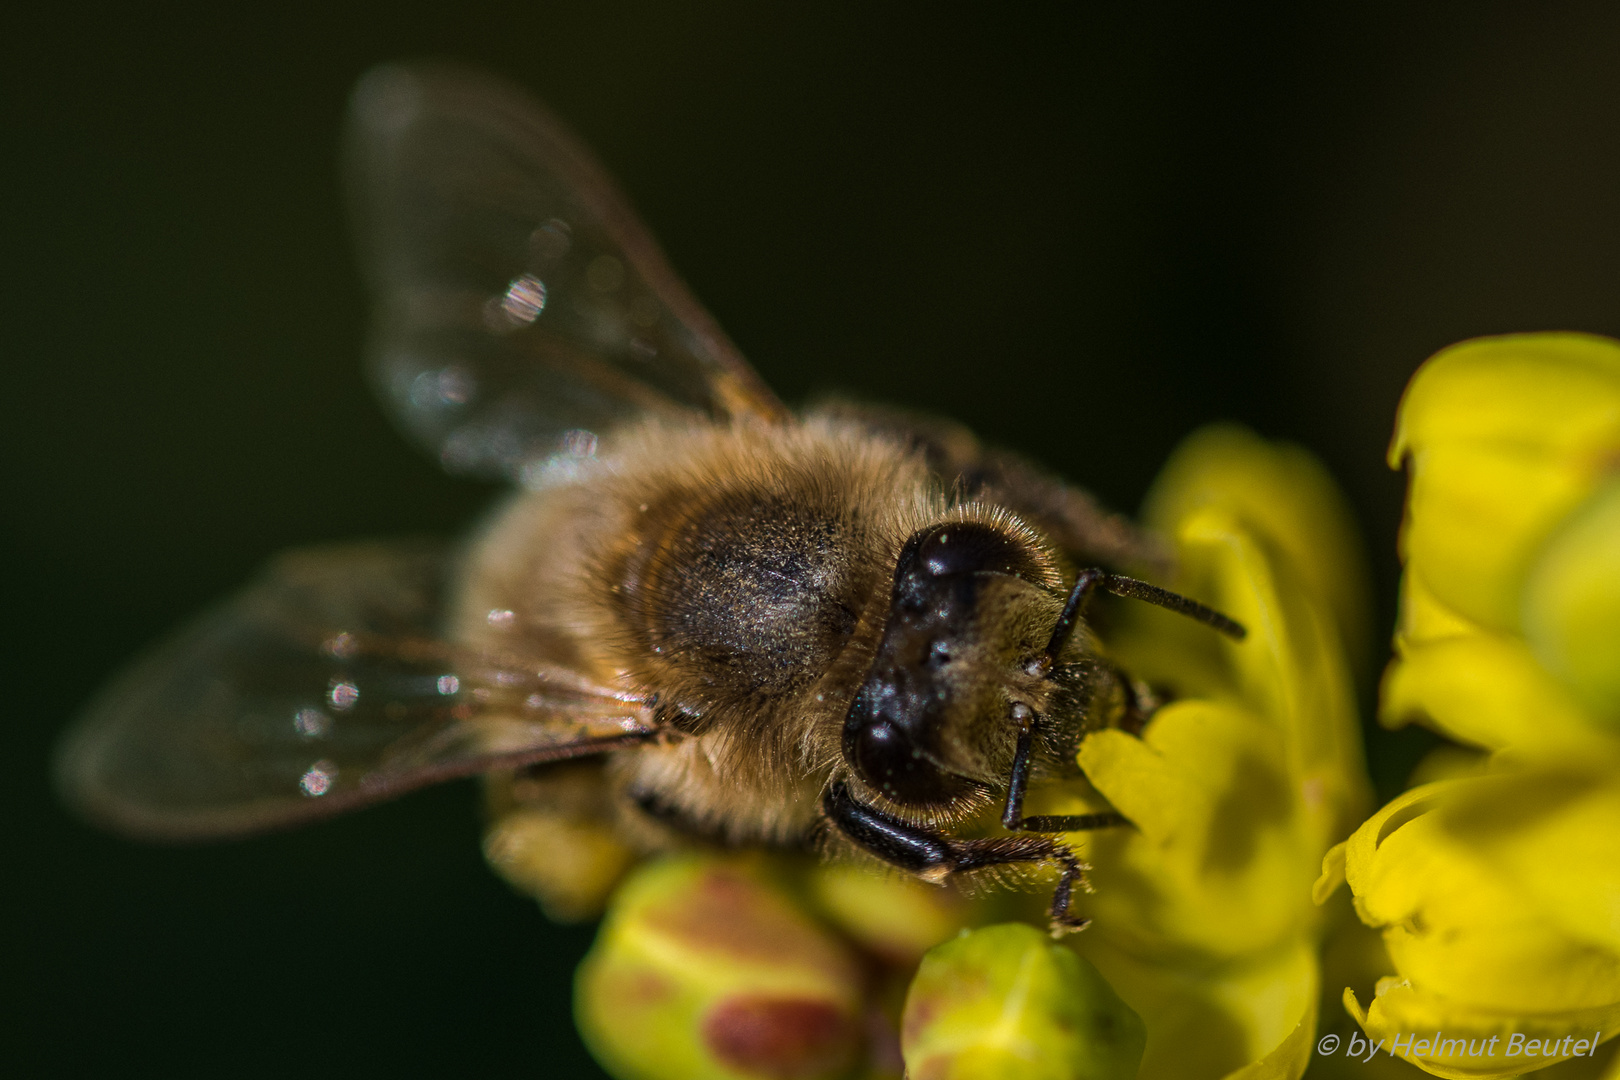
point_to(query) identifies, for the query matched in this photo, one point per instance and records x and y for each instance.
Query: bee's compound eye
(885, 756)
(966, 547)
(887, 760)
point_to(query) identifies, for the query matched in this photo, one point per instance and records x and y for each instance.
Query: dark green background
(1082, 230)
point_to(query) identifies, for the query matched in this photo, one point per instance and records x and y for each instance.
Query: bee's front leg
(1012, 815)
(933, 856)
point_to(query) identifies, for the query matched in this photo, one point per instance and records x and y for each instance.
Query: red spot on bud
(781, 1038)
(727, 913)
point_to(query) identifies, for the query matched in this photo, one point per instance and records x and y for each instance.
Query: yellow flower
(1203, 914)
(1498, 893)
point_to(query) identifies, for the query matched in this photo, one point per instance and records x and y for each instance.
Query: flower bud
(898, 918)
(567, 864)
(704, 969)
(1005, 1001)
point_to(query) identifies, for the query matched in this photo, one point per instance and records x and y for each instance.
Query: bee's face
(959, 652)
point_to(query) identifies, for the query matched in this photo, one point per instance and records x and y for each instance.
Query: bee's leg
(1012, 815)
(1141, 702)
(933, 856)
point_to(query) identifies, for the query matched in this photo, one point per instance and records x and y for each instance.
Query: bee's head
(973, 608)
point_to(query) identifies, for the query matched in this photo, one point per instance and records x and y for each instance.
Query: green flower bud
(705, 970)
(1005, 1001)
(898, 918)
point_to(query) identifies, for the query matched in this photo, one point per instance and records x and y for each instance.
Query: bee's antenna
(1091, 580)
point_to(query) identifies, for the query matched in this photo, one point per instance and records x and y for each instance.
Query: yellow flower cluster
(1497, 887)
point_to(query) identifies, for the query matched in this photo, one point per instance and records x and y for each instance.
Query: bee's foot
(1064, 925)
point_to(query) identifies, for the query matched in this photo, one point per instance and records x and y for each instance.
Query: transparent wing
(316, 689)
(520, 307)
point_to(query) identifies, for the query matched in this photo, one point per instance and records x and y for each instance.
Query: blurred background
(1082, 230)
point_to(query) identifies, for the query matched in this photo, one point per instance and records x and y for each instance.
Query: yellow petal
(1220, 860)
(1448, 762)
(1554, 832)
(1236, 794)
(1505, 436)
(1459, 924)
(1557, 391)
(1290, 669)
(1206, 1021)
(1353, 956)
(1572, 603)
(1289, 1059)
(1465, 932)
(1362, 848)
(1477, 515)
(704, 969)
(1487, 690)
(1283, 493)
(1332, 874)
(1452, 1040)
(1290, 666)
(1424, 617)
(1243, 548)
(1006, 1003)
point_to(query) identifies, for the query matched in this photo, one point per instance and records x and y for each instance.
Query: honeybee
(700, 614)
